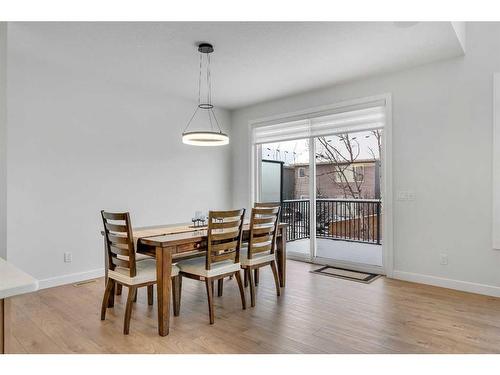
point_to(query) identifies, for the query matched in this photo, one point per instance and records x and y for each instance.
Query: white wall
(3, 139)
(78, 144)
(442, 129)
(496, 163)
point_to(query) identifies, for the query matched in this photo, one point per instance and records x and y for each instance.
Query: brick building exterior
(329, 185)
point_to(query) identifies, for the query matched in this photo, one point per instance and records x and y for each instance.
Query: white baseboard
(71, 278)
(465, 286)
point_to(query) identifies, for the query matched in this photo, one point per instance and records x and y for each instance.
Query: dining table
(172, 243)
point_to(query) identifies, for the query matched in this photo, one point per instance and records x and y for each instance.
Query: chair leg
(150, 295)
(132, 291)
(118, 289)
(276, 278)
(245, 276)
(252, 287)
(108, 292)
(111, 300)
(256, 276)
(237, 276)
(209, 284)
(220, 287)
(176, 294)
(135, 295)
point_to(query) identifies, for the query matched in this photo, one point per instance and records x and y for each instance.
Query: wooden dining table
(169, 244)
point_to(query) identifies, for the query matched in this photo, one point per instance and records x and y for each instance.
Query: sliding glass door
(325, 168)
(284, 178)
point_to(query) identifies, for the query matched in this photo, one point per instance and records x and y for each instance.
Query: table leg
(2, 326)
(164, 283)
(281, 256)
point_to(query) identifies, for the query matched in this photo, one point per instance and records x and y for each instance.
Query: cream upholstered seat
(145, 273)
(257, 258)
(196, 266)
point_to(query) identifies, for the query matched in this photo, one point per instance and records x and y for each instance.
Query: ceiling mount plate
(205, 48)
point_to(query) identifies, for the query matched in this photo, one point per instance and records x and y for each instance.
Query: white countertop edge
(20, 290)
(14, 281)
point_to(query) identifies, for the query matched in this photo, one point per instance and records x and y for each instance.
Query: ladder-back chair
(260, 249)
(123, 267)
(223, 254)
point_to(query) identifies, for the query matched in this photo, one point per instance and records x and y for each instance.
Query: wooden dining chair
(260, 249)
(223, 255)
(123, 267)
(256, 271)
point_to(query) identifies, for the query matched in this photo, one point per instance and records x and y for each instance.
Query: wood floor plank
(315, 314)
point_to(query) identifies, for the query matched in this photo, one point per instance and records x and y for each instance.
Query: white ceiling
(253, 61)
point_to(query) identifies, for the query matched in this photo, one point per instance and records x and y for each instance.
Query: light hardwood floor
(315, 314)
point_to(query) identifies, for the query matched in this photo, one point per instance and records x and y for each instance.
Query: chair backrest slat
(258, 229)
(266, 204)
(262, 249)
(224, 236)
(262, 239)
(222, 248)
(118, 250)
(116, 228)
(122, 216)
(264, 223)
(119, 240)
(120, 262)
(264, 220)
(223, 225)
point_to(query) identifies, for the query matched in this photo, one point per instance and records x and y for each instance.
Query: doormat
(360, 277)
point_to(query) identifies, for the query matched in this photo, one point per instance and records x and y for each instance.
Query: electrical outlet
(443, 259)
(68, 257)
(411, 195)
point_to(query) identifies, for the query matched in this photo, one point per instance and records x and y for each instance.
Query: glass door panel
(285, 178)
(348, 201)
(272, 181)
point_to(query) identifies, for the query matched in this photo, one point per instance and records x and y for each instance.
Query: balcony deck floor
(356, 252)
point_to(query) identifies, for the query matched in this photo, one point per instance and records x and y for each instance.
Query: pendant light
(204, 111)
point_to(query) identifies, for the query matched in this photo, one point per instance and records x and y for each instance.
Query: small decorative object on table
(199, 220)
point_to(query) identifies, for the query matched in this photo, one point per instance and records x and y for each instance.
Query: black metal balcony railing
(296, 214)
(337, 219)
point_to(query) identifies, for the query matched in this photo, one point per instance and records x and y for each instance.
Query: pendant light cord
(218, 125)
(209, 81)
(191, 119)
(210, 111)
(199, 79)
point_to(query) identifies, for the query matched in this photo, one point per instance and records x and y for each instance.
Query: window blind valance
(322, 124)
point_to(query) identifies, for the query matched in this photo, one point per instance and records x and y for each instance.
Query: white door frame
(387, 190)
